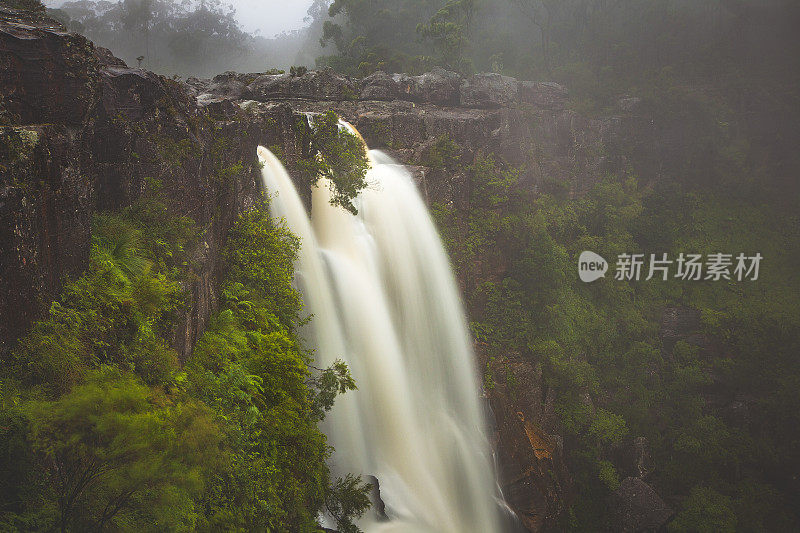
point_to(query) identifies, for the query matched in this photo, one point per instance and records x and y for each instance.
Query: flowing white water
(384, 301)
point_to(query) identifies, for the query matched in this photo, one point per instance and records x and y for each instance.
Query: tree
(448, 29)
(338, 155)
(347, 500)
(137, 15)
(374, 35)
(541, 13)
(705, 511)
(118, 454)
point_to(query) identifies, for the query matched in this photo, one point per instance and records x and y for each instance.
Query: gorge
(142, 273)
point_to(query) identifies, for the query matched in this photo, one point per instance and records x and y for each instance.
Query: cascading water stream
(384, 300)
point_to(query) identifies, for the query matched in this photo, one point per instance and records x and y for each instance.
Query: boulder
(439, 87)
(381, 86)
(232, 89)
(322, 84)
(241, 77)
(131, 92)
(636, 507)
(270, 86)
(196, 86)
(543, 94)
(489, 90)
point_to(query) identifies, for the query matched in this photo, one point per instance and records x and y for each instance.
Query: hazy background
(267, 17)
(197, 38)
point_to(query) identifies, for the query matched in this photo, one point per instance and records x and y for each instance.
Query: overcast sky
(269, 16)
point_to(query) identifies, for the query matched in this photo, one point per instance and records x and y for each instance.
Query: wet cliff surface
(81, 132)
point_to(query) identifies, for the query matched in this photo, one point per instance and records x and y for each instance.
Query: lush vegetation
(335, 154)
(718, 408)
(102, 427)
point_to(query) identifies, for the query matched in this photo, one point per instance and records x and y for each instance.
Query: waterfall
(384, 300)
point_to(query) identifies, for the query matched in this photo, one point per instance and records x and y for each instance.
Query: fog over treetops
(198, 38)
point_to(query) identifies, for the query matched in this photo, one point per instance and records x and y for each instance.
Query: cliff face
(81, 132)
(525, 123)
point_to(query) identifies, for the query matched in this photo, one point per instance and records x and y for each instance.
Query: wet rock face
(489, 90)
(531, 468)
(79, 133)
(440, 87)
(44, 219)
(525, 123)
(43, 79)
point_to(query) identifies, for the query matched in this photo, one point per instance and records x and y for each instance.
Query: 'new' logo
(591, 266)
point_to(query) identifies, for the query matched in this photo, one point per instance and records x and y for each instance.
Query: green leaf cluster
(338, 155)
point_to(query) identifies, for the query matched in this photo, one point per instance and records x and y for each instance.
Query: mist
(197, 38)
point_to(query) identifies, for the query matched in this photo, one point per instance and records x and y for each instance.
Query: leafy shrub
(338, 155)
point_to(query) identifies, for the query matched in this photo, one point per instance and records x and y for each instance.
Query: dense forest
(238, 422)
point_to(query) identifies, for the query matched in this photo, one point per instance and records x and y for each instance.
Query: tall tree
(448, 29)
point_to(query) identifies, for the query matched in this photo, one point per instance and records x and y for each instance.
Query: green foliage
(123, 455)
(443, 154)
(608, 475)
(705, 511)
(329, 383)
(348, 498)
(260, 254)
(100, 429)
(101, 444)
(599, 346)
(337, 155)
(448, 29)
(372, 35)
(250, 368)
(118, 312)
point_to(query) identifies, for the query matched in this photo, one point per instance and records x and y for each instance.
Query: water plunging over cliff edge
(384, 300)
